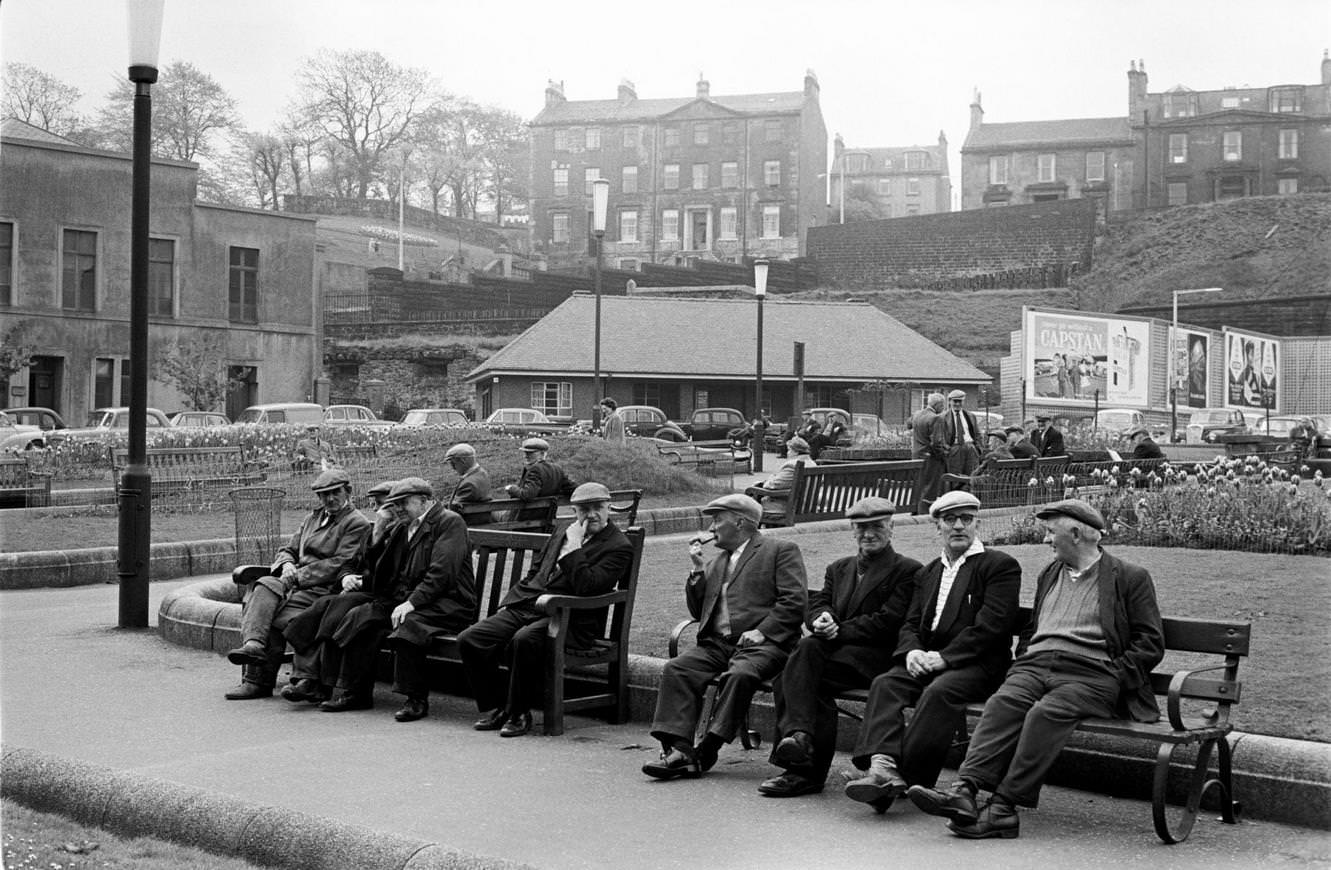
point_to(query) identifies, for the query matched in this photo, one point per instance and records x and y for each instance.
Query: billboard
(1252, 368)
(1192, 356)
(1071, 358)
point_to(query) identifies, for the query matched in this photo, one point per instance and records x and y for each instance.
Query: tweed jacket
(768, 591)
(325, 547)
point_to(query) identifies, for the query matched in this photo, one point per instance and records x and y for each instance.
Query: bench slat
(1207, 636)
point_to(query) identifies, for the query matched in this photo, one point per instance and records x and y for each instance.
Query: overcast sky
(892, 73)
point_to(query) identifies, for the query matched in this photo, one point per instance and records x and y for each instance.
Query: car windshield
(416, 418)
(1214, 416)
(5, 419)
(1115, 418)
(97, 419)
(249, 416)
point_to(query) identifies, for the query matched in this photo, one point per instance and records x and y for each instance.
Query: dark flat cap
(1010, 429)
(870, 509)
(409, 486)
(382, 488)
(1075, 509)
(333, 478)
(740, 504)
(1039, 417)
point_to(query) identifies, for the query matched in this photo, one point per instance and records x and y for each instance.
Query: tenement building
(888, 182)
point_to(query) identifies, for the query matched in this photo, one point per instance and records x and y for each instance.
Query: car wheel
(670, 433)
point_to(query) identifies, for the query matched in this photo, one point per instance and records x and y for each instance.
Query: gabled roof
(622, 111)
(704, 339)
(13, 128)
(1052, 133)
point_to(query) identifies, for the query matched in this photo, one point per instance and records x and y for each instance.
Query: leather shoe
(998, 819)
(789, 785)
(673, 763)
(251, 652)
(344, 701)
(708, 752)
(875, 787)
(957, 804)
(517, 725)
(248, 692)
(413, 709)
(492, 721)
(305, 690)
(794, 750)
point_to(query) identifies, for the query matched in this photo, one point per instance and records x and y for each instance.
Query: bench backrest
(14, 471)
(228, 458)
(512, 514)
(825, 492)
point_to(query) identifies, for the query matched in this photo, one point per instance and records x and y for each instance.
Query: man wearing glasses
(953, 650)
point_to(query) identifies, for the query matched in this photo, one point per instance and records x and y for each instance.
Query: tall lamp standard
(759, 425)
(600, 199)
(1173, 353)
(145, 34)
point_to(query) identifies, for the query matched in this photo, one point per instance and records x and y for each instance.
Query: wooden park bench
(824, 492)
(710, 458)
(178, 469)
(540, 514)
(21, 485)
(1195, 704)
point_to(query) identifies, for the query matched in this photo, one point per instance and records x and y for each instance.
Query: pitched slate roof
(704, 339)
(620, 111)
(13, 128)
(1065, 132)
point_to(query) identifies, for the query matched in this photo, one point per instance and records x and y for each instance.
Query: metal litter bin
(258, 512)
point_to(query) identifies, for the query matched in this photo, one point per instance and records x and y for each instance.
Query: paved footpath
(73, 685)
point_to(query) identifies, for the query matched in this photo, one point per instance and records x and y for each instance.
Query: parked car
(433, 417)
(1207, 423)
(43, 418)
(103, 420)
(18, 436)
(306, 413)
(523, 421)
(354, 415)
(1276, 427)
(643, 421)
(989, 420)
(869, 426)
(197, 419)
(713, 424)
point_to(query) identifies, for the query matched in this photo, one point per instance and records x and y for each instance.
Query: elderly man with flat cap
(1143, 445)
(588, 555)
(773, 494)
(930, 481)
(473, 485)
(749, 600)
(327, 545)
(853, 623)
(540, 476)
(956, 437)
(953, 650)
(1093, 637)
(1047, 440)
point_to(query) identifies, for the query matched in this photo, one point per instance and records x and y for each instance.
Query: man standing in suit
(749, 602)
(1093, 637)
(1047, 440)
(588, 556)
(921, 447)
(473, 480)
(854, 620)
(953, 650)
(956, 437)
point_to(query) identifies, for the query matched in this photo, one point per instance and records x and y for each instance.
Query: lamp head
(144, 18)
(760, 278)
(600, 200)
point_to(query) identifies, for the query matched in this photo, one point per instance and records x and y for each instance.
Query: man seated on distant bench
(473, 483)
(773, 494)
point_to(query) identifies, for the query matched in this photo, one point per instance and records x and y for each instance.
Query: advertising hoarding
(1070, 358)
(1252, 369)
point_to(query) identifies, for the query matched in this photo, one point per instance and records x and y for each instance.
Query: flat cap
(1010, 429)
(460, 449)
(1039, 417)
(1076, 509)
(1135, 431)
(589, 492)
(957, 499)
(409, 486)
(333, 478)
(798, 444)
(535, 444)
(956, 394)
(870, 509)
(740, 504)
(996, 433)
(382, 488)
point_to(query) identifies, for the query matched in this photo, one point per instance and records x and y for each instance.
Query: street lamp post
(759, 425)
(145, 32)
(600, 199)
(1173, 353)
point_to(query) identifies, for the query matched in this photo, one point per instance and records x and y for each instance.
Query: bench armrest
(676, 633)
(551, 603)
(1174, 699)
(771, 493)
(243, 574)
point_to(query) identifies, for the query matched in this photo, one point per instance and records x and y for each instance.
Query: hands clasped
(825, 626)
(920, 663)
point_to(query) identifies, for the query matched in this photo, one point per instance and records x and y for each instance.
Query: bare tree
(40, 99)
(506, 156)
(300, 137)
(197, 368)
(189, 106)
(266, 156)
(16, 351)
(365, 103)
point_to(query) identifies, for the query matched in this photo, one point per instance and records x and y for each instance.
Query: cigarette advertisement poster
(1191, 359)
(1071, 358)
(1252, 366)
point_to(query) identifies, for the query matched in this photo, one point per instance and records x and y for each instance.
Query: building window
(78, 284)
(1287, 185)
(670, 225)
(729, 223)
(1229, 102)
(730, 133)
(1289, 145)
(559, 227)
(772, 173)
(161, 277)
(590, 174)
(771, 222)
(1044, 168)
(1177, 191)
(729, 174)
(244, 285)
(671, 137)
(701, 133)
(998, 170)
(1179, 104)
(630, 137)
(912, 208)
(856, 162)
(6, 263)
(772, 129)
(1233, 146)
(916, 160)
(552, 397)
(561, 182)
(884, 187)
(628, 225)
(629, 179)
(1178, 147)
(912, 187)
(561, 140)
(104, 382)
(1287, 99)
(1095, 166)
(671, 180)
(593, 139)
(700, 176)
(647, 394)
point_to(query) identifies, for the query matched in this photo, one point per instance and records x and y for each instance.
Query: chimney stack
(977, 111)
(554, 92)
(627, 92)
(1136, 91)
(704, 88)
(811, 88)
(1326, 67)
